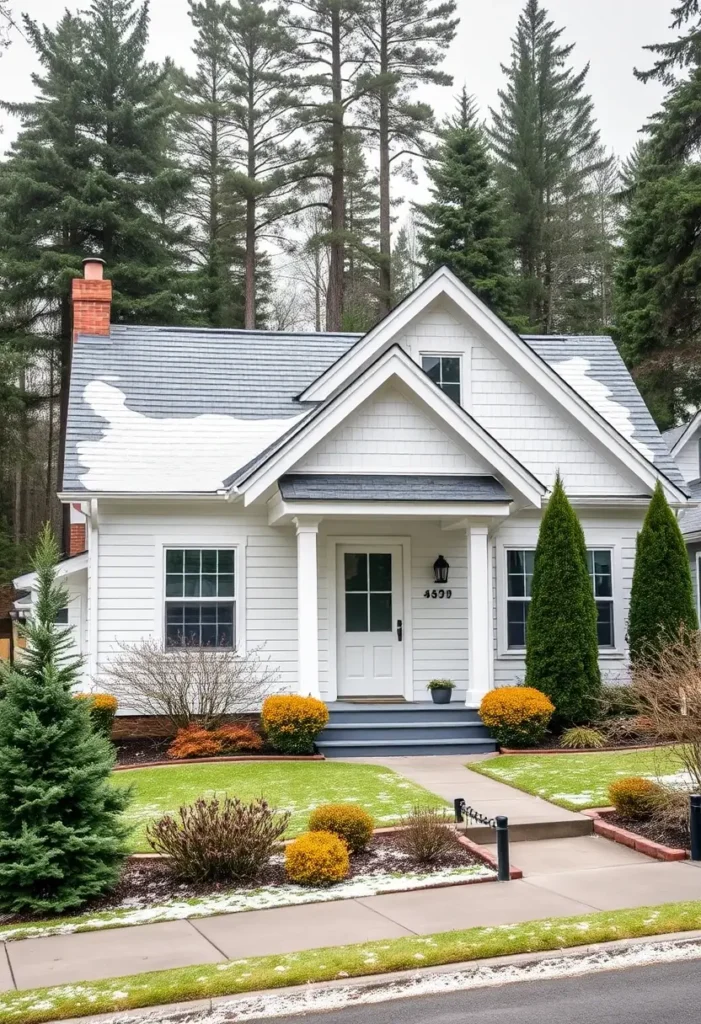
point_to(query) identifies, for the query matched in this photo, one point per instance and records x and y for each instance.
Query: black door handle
(399, 629)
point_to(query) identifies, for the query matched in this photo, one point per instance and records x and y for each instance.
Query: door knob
(399, 629)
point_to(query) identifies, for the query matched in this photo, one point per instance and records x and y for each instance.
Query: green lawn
(576, 781)
(296, 786)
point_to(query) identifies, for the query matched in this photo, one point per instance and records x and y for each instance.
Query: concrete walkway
(529, 816)
(563, 877)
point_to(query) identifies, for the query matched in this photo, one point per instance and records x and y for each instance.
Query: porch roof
(375, 487)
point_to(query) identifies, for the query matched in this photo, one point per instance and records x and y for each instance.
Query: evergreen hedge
(561, 646)
(662, 599)
(62, 838)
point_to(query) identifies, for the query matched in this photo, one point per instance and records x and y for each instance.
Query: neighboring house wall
(687, 458)
(695, 566)
(528, 424)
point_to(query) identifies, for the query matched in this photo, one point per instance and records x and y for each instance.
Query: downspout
(93, 587)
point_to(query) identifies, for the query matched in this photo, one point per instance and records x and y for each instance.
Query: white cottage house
(297, 491)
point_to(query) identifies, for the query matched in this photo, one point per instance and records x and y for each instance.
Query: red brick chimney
(92, 300)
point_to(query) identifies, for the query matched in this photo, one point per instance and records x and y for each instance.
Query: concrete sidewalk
(563, 877)
(530, 817)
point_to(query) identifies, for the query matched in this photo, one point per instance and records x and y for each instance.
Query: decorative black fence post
(500, 824)
(695, 826)
(502, 830)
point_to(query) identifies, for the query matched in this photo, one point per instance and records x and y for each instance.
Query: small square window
(445, 372)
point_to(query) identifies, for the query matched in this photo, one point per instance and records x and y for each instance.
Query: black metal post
(502, 830)
(459, 805)
(695, 826)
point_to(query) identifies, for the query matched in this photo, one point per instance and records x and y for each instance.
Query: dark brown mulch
(147, 883)
(139, 751)
(552, 742)
(659, 831)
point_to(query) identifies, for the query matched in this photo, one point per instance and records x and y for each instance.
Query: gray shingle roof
(607, 367)
(372, 487)
(168, 375)
(690, 522)
(672, 435)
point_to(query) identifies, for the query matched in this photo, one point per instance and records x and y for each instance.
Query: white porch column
(307, 607)
(480, 612)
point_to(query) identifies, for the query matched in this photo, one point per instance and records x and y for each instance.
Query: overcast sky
(609, 34)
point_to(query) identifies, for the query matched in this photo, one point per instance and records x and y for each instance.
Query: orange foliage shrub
(237, 737)
(194, 741)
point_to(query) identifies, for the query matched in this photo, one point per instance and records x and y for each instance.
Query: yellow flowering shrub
(635, 797)
(317, 858)
(292, 723)
(349, 822)
(103, 708)
(516, 716)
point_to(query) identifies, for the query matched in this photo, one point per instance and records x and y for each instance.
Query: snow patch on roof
(139, 453)
(599, 396)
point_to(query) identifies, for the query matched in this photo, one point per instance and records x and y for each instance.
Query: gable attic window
(200, 597)
(445, 371)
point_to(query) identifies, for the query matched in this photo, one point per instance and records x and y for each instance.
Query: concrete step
(343, 712)
(403, 747)
(403, 731)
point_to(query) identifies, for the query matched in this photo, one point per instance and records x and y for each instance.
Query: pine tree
(62, 840)
(561, 643)
(135, 188)
(658, 294)
(361, 248)
(263, 54)
(206, 144)
(405, 276)
(407, 40)
(464, 225)
(545, 140)
(661, 599)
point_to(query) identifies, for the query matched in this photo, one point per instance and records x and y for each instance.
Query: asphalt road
(664, 994)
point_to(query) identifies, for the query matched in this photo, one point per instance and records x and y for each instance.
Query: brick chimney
(92, 300)
(76, 535)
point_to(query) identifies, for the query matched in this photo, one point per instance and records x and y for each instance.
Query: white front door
(370, 620)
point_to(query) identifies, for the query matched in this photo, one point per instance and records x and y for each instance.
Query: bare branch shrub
(189, 684)
(427, 835)
(667, 689)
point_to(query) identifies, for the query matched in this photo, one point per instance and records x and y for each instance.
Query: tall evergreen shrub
(661, 599)
(561, 644)
(62, 840)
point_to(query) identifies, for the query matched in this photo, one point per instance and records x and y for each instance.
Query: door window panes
(368, 592)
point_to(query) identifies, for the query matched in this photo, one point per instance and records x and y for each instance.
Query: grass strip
(61, 1002)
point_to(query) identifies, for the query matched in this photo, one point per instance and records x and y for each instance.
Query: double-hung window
(519, 580)
(445, 371)
(200, 597)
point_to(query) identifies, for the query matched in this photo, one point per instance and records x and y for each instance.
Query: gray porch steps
(403, 730)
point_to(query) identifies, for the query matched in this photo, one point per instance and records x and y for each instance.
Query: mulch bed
(152, 753)
(143, 750)
(147, 883)
(658, 831)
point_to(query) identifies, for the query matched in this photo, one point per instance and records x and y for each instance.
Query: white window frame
(178, 544)
(446, 354)
(519, 653)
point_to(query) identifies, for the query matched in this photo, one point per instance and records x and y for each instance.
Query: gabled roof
(676, 437)
(394, 487)
(182, 410)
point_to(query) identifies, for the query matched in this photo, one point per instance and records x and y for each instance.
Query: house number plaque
(438, 594)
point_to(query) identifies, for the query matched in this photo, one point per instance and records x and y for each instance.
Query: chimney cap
(92, 268)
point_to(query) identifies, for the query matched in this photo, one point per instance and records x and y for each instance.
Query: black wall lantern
(440, 570)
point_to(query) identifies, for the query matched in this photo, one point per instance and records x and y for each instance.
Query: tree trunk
(334, 294)
(385, 295)
(250, 310)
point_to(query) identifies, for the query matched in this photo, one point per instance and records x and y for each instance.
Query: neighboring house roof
(372, 487)
(190, 410)
(676, 437)
(690, 520)
(673, 435)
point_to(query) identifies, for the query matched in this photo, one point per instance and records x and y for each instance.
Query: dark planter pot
(442, 696)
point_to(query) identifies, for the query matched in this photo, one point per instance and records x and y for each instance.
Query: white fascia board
(444, 283)
(690, 428)
(398, 365)
(282, 512)
(66, 568)
(70, 496)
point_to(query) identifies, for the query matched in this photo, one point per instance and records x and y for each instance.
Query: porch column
(480, 612)
(307, 607)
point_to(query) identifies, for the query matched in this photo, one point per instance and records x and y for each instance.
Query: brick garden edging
(218, 760)
(634, 842)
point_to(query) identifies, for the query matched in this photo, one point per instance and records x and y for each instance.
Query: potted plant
(441, 690)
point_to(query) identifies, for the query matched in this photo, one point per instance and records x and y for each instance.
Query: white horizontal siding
(688, 458)
(390, 433)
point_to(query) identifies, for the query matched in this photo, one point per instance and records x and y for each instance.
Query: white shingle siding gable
(687, 458)
(389, 433)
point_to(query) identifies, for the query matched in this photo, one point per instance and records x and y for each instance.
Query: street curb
(649, 847)
(380, 981)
